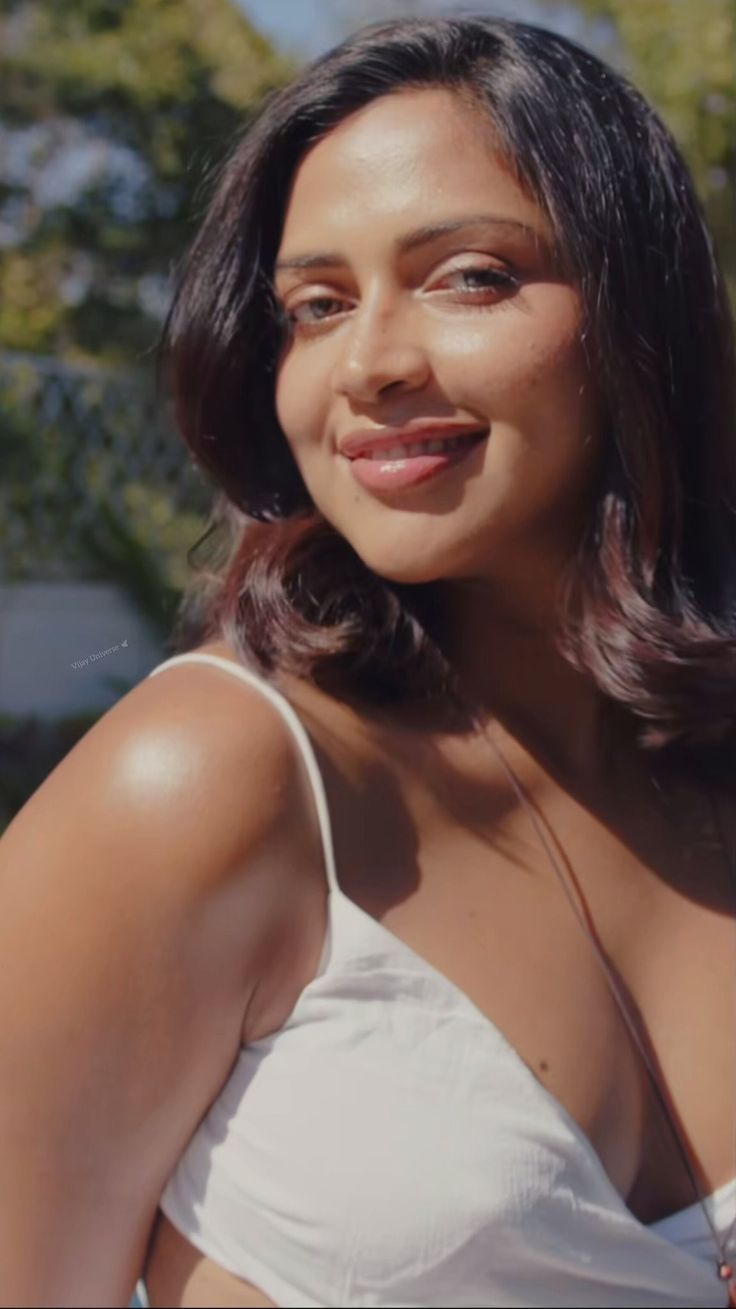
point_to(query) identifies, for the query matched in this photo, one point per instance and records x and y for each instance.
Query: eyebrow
(412, 240)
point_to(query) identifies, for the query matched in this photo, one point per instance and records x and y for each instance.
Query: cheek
(539, 382)
(537, 350)
(543, 406)
(301, 403)
(521, 363)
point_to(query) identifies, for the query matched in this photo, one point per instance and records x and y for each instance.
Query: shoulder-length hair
(648, 610)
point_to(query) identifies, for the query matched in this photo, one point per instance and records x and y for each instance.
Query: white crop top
(388, 1146)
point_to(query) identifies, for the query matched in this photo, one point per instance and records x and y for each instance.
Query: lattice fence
(80, 448)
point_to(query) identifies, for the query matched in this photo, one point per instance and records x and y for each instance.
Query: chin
(410, 570)
(412, 554)
(410, 576)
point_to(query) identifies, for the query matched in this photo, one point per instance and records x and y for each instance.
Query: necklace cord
(721, 1245)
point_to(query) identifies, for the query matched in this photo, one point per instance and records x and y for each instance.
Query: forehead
(414, 154)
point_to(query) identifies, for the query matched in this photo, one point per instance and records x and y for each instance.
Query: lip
(392, 477)
(372, 439)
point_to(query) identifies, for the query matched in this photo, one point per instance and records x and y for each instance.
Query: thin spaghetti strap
(298, 732)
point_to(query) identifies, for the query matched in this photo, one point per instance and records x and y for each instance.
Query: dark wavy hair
(648, 608)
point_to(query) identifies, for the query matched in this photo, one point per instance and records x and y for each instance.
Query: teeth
(432, 447)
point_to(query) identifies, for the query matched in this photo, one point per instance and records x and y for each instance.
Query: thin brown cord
(659, 1093)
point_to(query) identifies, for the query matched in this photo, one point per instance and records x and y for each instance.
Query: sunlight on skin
(447, 347)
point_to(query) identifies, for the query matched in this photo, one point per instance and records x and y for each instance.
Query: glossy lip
(367, 440)
(392, 477)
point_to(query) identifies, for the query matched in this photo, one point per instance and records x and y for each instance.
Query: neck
(509, 668)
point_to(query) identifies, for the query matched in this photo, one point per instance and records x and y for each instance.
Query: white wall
(60, 642)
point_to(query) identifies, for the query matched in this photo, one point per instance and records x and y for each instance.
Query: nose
(378, 351)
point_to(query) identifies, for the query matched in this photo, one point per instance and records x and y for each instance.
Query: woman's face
(474, 326)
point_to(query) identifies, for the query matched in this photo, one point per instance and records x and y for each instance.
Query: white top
(388, 1146)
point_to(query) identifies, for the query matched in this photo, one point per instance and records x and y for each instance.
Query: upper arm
(134, 891)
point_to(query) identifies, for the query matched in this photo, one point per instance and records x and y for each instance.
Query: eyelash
(499, 279)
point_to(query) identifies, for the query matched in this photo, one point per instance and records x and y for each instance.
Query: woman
(387, 940)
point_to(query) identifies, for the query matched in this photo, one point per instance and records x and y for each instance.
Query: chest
(450, 866)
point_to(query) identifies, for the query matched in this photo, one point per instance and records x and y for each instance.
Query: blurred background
(113, 116)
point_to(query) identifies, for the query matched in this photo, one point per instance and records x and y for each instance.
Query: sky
(306, 28)
(300, 27)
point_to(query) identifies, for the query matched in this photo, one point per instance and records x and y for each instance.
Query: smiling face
(475, 326)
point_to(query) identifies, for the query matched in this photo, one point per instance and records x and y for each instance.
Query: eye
(494, 277)
(491, 279)
(291, 316)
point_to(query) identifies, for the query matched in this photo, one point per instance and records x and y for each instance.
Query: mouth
(409, 464)
(400, 442)
(414, 449)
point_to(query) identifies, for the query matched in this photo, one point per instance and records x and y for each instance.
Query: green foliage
(163, 86)
(144, 551)
(683, 56)
(75, 441)
(159, 88)
(127, 559)
(30, 311)
(167, 532)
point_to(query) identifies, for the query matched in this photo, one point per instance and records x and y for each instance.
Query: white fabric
(388, 1146)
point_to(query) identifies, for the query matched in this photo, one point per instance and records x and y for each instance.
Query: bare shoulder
(193, 745)
(148, 886)
(195, 775)
(194, 731)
